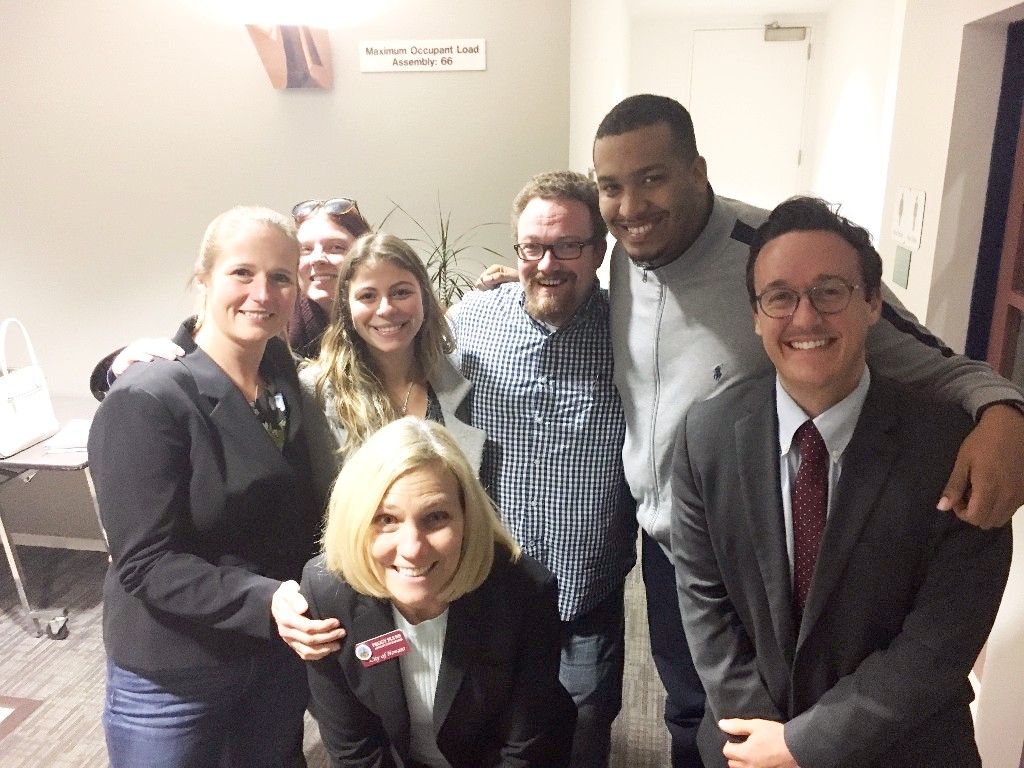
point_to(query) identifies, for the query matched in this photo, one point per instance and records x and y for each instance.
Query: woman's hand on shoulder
(311, 639)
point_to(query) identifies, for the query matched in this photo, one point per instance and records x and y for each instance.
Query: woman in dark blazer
(202, 476)
(452, 650)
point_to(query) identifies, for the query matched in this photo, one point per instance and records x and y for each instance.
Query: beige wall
(127, 126)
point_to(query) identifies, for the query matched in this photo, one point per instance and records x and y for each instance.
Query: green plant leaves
(445, 253)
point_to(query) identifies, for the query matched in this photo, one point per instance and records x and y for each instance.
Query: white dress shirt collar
(836, 425)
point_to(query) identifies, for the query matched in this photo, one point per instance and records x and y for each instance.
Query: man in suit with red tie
(832, 611)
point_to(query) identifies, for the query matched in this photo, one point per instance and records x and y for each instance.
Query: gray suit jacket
(902, 599)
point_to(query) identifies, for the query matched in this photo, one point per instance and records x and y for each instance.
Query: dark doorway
(998, 197)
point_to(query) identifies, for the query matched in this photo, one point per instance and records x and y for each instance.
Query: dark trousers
(593, 659)
(684, 703)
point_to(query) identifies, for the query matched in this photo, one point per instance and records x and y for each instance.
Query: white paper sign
(422, 55)
(908, 217)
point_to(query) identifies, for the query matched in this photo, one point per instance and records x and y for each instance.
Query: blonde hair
(360, 402)
(234, 220)
(400, 447)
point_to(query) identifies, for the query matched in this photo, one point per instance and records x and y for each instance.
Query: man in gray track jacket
(681, 334)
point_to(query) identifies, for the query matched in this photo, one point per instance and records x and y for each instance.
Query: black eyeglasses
(566, 251)
(829, 297)
(337, 206)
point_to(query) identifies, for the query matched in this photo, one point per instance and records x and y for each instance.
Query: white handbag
(26, 413)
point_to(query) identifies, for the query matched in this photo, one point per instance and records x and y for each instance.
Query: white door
(747, 102)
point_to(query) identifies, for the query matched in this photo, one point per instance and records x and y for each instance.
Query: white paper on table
(73, 436)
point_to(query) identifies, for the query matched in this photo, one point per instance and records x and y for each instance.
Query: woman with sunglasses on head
(202, 476)
(326, 230)
(452, 654)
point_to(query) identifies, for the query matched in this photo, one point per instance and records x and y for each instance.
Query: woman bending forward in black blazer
(452, 646)
(202, 476)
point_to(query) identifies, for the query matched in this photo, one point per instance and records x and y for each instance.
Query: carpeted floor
(66, 676)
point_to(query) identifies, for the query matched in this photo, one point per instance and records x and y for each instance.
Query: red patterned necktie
(809, 506)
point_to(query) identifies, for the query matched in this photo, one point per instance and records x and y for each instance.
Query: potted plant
(444, 254)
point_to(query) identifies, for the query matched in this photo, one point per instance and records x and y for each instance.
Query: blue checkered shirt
(555, 428)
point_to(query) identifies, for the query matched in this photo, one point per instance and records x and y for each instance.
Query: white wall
(662, 49)
(858, 55)
(850, 96)
(947, 93)
(851, 91)
(128, 126)
(1000, 707)
(598, 71)
(849, 99)
(901, 93)
(599, 74)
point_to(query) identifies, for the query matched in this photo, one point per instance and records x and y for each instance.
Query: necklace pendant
(408, 394)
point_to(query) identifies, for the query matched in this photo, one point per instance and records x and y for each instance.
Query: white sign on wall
(908, 217)
(422, 55)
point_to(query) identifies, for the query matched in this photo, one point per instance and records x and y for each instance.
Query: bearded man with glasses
(538, 353)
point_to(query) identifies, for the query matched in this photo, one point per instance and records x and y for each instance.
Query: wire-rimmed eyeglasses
(336, 206)
(564, 251)
(829, 297)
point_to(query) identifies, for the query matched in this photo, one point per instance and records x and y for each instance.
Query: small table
(24, 465)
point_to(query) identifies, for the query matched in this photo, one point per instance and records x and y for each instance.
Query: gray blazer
(325, 433)
(901, 603)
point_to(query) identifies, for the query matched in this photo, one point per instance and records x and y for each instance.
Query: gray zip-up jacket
(684, 332)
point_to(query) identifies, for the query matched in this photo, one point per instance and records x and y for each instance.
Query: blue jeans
(684, 704)
(593, 656)
(243, 714)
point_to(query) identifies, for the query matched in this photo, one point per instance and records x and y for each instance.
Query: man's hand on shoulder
(986, 486)
(495, 275)
(145, 351)
(763, 747)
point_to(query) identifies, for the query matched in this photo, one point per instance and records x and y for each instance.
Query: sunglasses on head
(337, 206)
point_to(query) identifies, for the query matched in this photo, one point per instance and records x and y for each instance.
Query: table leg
(96, 505)
(16, 570)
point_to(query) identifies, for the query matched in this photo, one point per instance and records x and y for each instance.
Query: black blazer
(204, 515)
(498, 700)
(902, 600)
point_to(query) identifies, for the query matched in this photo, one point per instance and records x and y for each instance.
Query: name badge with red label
(384, 647)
